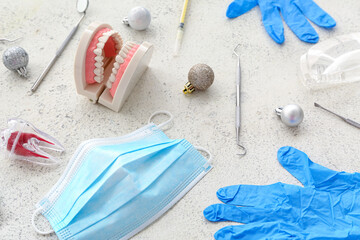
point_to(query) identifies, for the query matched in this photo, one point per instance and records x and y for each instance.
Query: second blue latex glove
(294, 13)
(327, 207)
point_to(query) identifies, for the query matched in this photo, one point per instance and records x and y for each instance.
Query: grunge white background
(271, 78)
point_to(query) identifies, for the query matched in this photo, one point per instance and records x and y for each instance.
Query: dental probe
(348, 121)
(238, 102)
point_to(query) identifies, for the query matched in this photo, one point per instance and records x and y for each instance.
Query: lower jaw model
(106, 70)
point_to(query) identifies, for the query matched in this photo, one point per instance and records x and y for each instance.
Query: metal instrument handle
(238, 95)
(58, 53)
(353, 123)
(238, 72)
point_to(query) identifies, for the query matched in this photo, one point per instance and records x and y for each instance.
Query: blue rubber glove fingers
(259, 231)
(223, 212)
(272, 21)
(316, 14)
(298, 23)
(239, 7)
(312, 174)
(267, 196)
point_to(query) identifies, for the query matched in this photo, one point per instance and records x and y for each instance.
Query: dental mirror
(81, 7)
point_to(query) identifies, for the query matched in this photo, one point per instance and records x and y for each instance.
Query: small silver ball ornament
(16, 59)
(139, 18)
(200, 77)
(291, 115)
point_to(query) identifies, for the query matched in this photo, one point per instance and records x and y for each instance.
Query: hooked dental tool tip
(243, 149)
(235, 50)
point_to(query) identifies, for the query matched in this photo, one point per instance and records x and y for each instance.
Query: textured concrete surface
(271, 78)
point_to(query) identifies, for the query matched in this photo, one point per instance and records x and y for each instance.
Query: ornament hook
(8, 40)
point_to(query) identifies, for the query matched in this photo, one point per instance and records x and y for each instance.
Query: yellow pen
(180, 30)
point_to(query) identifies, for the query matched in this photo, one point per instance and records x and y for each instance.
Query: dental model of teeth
(106, 71)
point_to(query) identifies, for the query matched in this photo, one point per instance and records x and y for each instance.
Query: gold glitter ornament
(200, 77)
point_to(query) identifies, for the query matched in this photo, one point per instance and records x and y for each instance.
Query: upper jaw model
(106, 69)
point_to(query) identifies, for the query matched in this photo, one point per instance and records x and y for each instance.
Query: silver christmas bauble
(139, 18)
(291, 115)
(16, 59)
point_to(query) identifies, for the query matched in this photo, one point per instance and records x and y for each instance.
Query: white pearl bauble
(139, 18)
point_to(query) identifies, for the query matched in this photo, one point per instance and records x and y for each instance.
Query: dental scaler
(238, 102)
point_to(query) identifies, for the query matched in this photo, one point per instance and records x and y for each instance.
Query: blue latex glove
(294, 13)
(327, 207)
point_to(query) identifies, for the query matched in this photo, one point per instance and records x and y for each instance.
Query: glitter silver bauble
(16, 59)
(200, 77)
(291, 115)
(139, 18)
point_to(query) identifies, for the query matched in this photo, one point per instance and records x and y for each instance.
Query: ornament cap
(278, 111)
(188, 88)
(126, 21)
(22, 72)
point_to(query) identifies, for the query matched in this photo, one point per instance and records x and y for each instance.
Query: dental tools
(238, 101)
(180, 31)
(348, 121)
(81, 7)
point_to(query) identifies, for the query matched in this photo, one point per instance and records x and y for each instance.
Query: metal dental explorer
(81, 7)
(238, 102)
(349, 121)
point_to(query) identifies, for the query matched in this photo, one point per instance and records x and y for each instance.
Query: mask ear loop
(161, 125)
(206, 151)
(36, 213)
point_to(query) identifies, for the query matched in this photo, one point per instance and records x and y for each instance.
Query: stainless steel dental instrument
(238, 102)
(81, 7)
(349, 121)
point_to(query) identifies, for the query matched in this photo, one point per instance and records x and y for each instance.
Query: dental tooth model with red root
(23, 141)
(106, 70)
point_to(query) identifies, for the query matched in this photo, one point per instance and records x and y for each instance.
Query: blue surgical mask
(113, 188)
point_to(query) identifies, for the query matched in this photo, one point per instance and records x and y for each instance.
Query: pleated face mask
(113, 188)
